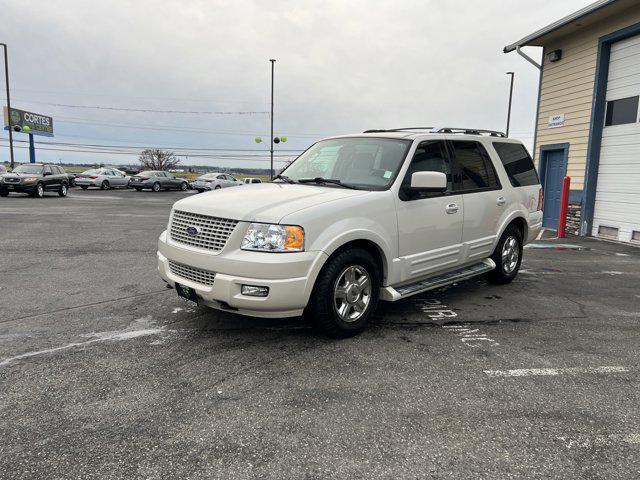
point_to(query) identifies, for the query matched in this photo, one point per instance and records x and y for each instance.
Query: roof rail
(467, 131)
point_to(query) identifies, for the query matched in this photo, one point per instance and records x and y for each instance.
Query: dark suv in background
(35, 179)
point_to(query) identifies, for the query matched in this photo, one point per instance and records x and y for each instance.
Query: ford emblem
(192, 231)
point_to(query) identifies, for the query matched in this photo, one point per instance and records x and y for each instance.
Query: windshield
(28, 169)
(370, 163)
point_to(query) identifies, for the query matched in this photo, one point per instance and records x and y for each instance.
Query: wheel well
(370, 247)
(521, 225)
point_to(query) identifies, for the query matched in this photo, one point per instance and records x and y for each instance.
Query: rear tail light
(540, 197)
(93, 177)
(210, 181)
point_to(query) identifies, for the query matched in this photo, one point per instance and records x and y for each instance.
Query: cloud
(342, 66)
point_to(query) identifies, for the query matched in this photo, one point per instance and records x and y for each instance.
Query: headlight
(264, 237)
(29, 179)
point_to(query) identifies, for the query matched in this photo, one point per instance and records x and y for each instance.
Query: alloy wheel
(352, 293)
(510, 254)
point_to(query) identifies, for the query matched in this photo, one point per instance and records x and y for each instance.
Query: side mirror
(428, 182)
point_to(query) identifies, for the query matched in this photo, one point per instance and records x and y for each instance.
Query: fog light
(254, 291)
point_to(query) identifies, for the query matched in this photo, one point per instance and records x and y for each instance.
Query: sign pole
(510, 100)
(272, 67)
(32, 149)
(6, 81)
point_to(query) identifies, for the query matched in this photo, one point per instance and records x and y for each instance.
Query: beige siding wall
(567, 87)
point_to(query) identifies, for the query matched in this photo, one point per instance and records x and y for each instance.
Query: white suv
(356, 219)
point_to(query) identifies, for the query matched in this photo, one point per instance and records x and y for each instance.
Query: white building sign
(556, 121)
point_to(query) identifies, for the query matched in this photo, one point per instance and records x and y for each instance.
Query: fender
(507, 220)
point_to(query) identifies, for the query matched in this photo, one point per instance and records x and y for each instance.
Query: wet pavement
(104, 373)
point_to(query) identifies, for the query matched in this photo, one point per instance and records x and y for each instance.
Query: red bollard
(564, 206)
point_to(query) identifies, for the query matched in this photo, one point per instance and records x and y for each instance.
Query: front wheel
(63, 190)
(507, 256)
(184, 186)
(39, 191)
(345, 294)
(138, 189)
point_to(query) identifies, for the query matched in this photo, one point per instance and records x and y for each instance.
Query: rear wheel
(507, 256)
(63, 190)
(138, 189)
(104, 185)
(84, 187)
(156, 187)
(345, 294)
(217, 187)
(184, 186)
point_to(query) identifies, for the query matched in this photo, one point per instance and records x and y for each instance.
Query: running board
(392, 294)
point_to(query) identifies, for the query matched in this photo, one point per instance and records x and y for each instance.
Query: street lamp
(512, 75)
(6, 78)
(273, 63)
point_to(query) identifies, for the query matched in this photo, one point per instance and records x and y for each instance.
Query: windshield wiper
(332, 181)
(284, 177)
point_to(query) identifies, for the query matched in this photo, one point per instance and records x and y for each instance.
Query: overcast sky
(342, 67)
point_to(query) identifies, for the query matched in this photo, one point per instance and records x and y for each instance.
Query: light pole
(512, 75)
(273, 63)
(6, 79)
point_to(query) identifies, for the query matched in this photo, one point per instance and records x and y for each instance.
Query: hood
(263, 202)
(20, 175)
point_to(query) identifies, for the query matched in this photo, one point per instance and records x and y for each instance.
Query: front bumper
(290, 278)
(18, 187)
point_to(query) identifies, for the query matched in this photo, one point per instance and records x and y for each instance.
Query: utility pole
(6, 79)
(512, 75)
(273, 62)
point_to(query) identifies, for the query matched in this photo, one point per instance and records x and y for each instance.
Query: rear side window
(474, 167)
(517, 163)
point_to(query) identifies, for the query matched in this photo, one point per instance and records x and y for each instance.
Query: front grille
(196, 275)
(212, 235)
(11, 180)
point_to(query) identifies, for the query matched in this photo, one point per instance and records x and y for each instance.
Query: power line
(148, 110)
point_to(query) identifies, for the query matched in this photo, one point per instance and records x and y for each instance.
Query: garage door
(617, 209)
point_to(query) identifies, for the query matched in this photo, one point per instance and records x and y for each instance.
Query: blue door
(554, 165)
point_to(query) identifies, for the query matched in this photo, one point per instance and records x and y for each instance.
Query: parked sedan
(103, 178)
(252, 180)
(214, 181)
(157, 180)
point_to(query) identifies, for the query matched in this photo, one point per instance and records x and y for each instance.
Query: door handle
(501, 201)
(451, 208)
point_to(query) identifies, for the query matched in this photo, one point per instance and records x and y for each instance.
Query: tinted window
(622, 111)
(160, 174)
(517, 163)
(47, 169)
(474, 165)
(430, 156)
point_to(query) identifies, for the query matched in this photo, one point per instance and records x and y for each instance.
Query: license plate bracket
(187, 292)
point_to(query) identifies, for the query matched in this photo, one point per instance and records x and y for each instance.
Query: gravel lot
(104, 373)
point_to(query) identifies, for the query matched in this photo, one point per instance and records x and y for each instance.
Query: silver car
(214, 181)
(157, 180)
(252, 180)
(103, 178)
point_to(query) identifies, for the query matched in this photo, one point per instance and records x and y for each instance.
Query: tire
(105, 185)
(510, 247)
(84, 187)
(4, 193)
(39, 191)
(138, 189)
(200, 191)
(184, 187)
(217, 187)
(156, 187)
(63, 190)
(343, 300)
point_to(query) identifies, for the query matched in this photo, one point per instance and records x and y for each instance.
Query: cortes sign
(35, 123)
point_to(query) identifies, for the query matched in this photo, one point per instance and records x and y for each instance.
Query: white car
(252, 180)
(357, 219)
(103, 178)
(214, 181)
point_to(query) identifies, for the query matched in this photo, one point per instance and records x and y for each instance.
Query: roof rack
(467, 131)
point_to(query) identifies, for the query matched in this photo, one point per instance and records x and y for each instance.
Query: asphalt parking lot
(104, 373)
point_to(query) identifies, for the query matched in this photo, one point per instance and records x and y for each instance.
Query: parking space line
(532, 372)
